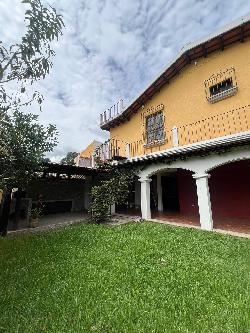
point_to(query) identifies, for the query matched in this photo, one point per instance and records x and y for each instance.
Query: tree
(46, 160)
(24, 143)
(69, 158)
(30, 60)
(113, 190)
(23, 140)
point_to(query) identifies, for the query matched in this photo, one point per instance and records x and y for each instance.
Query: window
(155, 128)
(220, 87)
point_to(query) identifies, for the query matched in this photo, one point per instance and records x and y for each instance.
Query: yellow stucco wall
(89, 150)
(184, 101)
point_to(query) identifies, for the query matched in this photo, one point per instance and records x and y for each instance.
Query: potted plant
(35, 213)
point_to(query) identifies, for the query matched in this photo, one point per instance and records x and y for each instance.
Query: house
(86, 157)
(188, 133)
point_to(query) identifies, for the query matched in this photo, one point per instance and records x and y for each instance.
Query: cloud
(112, 49)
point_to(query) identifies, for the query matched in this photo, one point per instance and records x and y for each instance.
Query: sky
(111, 49)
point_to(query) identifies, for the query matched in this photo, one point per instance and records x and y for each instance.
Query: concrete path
(55, 221)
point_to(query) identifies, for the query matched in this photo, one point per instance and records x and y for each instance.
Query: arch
(229, 192)
(162, 167)
(228, 160)
(198, 164)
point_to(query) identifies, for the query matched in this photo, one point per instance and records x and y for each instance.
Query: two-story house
(188, 133)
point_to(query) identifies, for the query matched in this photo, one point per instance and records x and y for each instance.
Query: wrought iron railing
(227, 123)
(223, 124)
(109, 150)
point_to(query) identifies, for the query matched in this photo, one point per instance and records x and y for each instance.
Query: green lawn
(131, 278)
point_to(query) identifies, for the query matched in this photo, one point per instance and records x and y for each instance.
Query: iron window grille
(221, 86)
(155, 128)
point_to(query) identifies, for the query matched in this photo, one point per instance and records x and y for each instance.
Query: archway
(229, 186)
(173, 196)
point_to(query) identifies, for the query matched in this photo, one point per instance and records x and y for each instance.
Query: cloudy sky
(112, 49)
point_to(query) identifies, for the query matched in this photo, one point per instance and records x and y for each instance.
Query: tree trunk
(5, 213)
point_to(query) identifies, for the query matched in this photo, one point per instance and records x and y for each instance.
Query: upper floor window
(221, 86)
(155, 128)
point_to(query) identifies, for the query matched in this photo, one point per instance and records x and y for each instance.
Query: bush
(112, 191)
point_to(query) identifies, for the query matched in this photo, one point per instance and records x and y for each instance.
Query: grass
(130, 278)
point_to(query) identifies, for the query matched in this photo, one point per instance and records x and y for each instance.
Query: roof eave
(188, 54)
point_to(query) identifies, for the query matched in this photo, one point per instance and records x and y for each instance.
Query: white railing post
(108, 150)
(92, 161)
(175, 136)
(127, 150)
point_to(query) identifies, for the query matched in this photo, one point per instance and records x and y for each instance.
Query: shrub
(112, 191)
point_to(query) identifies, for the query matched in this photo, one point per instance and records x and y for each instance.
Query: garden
(136, 277)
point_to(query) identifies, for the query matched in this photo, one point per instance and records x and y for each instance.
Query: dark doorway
(55, 207)
(170, 195)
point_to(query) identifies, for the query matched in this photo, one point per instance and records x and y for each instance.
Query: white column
(204, 203)
(175, 136)
(159, 193)
(145, 198)
(112, 209)
(127, 150)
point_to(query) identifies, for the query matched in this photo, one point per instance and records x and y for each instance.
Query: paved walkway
(55, 221)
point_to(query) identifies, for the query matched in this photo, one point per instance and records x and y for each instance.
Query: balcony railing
(227, 123)
(109, 150)
(112, 112)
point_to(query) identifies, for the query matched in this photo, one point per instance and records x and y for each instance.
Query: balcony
(203, 130)
(112, 112)
(109, 150)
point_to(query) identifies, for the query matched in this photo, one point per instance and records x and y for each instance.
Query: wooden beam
(242, 34)
(221, 43)
(204, 50)
(188, 58)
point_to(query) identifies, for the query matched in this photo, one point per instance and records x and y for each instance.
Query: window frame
(216, 82)
(157, 130)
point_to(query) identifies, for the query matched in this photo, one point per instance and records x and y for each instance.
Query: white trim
(204, 175)
(198, 164)
(217, 142)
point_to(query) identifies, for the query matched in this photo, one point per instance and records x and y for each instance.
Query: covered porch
(210, 192)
